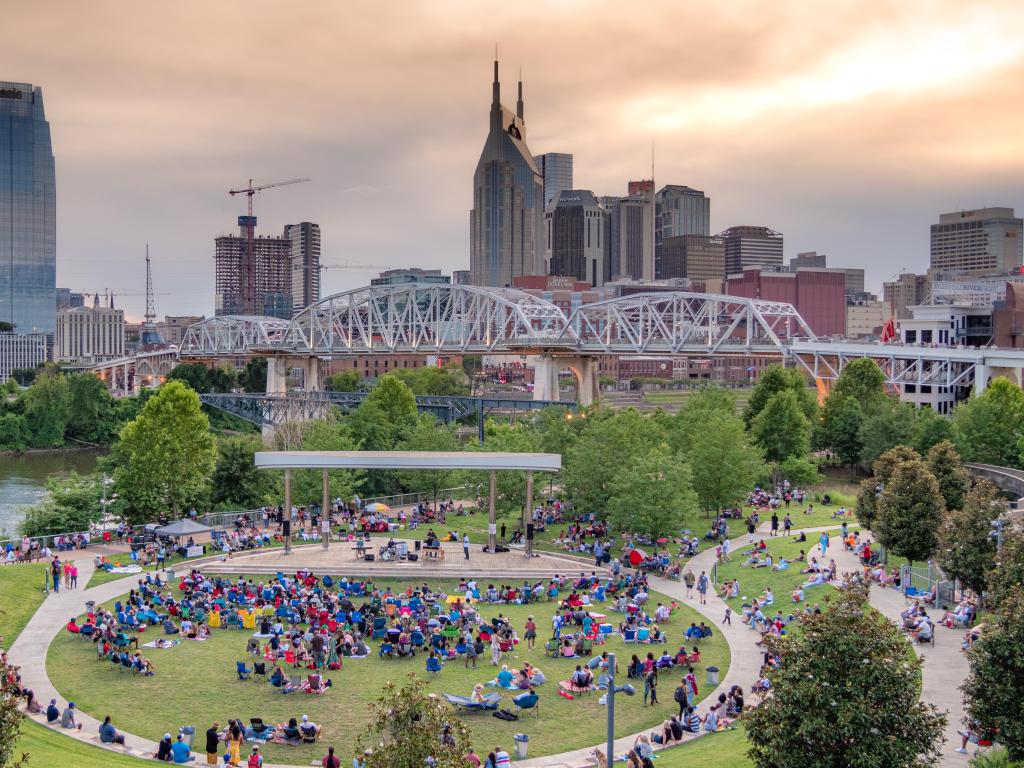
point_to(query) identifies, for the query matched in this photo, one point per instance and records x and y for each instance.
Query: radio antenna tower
(150, 310)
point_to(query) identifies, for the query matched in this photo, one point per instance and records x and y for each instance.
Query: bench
(432, 553)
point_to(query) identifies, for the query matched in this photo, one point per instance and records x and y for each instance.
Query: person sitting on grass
(290, 731)
(504, 677)
(582, 678)
(310, 731)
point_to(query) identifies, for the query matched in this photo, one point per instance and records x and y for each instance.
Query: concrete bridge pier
(278, 369)
(545, 377)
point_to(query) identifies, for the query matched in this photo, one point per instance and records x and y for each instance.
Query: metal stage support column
(286, 520)
(492, 518)
(528, 513)
(325, 512)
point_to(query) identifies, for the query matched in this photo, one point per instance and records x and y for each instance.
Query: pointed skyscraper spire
(496, 87)
(519, 101)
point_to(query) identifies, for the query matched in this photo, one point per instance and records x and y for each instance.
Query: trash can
(712, 675)
(187, 732)
(418, 545)
(170, 574)
(522, 741)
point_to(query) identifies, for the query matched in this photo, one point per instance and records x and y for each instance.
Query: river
(23, 481)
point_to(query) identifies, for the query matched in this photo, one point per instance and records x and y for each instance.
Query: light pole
(627, 689)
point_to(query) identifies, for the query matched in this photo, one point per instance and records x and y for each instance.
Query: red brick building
(819, 295)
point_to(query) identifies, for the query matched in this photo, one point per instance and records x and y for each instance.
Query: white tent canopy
(183, 527)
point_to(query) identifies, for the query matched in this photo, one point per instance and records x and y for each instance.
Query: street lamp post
(627, 689)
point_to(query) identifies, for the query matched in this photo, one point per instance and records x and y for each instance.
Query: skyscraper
(273, 257)
(305, 246)
(978, 242)
(28, 212)
(631, 240)
(679, 211)
(507, 219)
(697, 257)
(751, 247)
(556, 171)
(576, 241)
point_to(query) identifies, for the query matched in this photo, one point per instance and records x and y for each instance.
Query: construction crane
(249, 263)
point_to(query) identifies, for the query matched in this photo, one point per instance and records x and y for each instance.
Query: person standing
(74, 576)
(598, 553)
(651, 686)
(823, 542)
(55, 570)
(212, 743)
(787, 524)
(775, 523)
(702, 587)
(531, 633)
(751, 528)
(465, 545)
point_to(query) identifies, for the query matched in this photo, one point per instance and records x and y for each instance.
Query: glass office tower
(28, 212)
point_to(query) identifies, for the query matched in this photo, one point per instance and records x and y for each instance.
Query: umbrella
(377, 507)
(636, 557)
(662, 540)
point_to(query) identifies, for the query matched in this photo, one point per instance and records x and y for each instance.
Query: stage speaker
(529, 531)
(369, 558)
(287, 529)
(412, 557)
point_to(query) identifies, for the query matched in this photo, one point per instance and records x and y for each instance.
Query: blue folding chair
(242, 670)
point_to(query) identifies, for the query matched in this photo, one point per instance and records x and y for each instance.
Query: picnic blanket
(568, 687)
(125, 569)
(164, 644)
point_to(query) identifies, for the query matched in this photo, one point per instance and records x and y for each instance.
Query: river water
(23, 481)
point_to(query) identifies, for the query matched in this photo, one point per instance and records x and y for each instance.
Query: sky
(847, 126)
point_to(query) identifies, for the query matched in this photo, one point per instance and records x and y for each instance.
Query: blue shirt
(180, 751)
(107, 733)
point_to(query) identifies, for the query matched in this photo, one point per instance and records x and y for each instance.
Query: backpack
(254, 761)
(679, 695)
(505, 714)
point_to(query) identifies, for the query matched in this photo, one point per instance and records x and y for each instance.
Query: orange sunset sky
(848, 126)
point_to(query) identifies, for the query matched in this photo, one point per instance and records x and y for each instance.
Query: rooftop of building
(749, 230)
(976, 214)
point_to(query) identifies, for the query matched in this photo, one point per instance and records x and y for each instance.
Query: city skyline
(848, 131)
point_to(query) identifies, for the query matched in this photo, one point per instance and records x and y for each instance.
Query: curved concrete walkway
(944, 666)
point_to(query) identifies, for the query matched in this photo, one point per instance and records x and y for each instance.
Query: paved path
(944, 666)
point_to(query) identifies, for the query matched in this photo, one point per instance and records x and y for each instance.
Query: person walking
(74, 576)
(651, 686)
(787, 524)
(702, 587)
(465, 545)
(689, 580)
(751, 528)
(823, 542)
(331, 760)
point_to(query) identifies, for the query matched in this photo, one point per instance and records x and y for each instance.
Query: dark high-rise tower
(507, 219)
(28, 212)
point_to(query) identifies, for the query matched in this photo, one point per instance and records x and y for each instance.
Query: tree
(909, 512)
(10, 718)
(431, 380)
(726, 465)
(799, 471)
(196, 375)
(307, 484)
(886, 464)
(864, 381)
(1009, 572)
(13, 435)
(683, 429)
(348, 380)
(91, 416)
(994, 686)
(841, 422)
(607, 441)
(772, 381)
(397, 402)
(651, 494)
(510, 486)
(845, 693)
(988, 428)
(47, 410)
(966, 549)
(931, 428)
(24, 376)
(166, 456)
(236, 481)
(954, 482)
(406, 727)
(781, 428)
(73, 505)
(890, 424)
(428, 435)
(867, 502)
(253, 377)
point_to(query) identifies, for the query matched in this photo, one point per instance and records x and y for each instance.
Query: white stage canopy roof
(473, 460)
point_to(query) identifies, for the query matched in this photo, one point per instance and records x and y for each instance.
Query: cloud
(847, 125)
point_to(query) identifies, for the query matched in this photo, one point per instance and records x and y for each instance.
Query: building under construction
(272, 278)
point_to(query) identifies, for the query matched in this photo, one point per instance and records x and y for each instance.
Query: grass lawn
(21, 590)
(48, 747)
(196, 684)
(726, 749)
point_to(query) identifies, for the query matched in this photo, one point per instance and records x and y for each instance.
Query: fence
(227, 519)
(921, 580)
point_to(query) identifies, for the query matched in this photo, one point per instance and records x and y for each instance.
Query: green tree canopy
(651, 493)
(10, 718)
(886, 464)
(431, 380)
(196, 375)
(864, 381)
(92, 417)
(405, 729)
(892, 423)
(841, 421)
(995, 686)
(845, 693)
(781, 428)
(253, 377)
(800, 471)
(510, 486)
(307, 484)
(73, 505)
(1009, 573)
(954, 482)
(867, 502)
(605, 443)
(348, 380)
(931, 428)
(772, 381)
(909, 512)
(725, 461)
(966, 549)
(236, 482)
(13, 432)
(47, 410)
(166, 456)
(397, 402)
(988, 428)
(428, 435)
(683, 429)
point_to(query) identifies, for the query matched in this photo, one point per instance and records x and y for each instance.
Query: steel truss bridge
(459, 319)
(271, 411)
